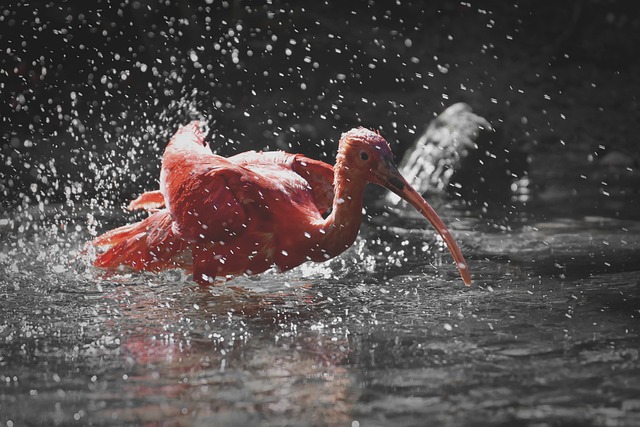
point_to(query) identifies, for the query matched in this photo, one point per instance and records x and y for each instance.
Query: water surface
(386, 334)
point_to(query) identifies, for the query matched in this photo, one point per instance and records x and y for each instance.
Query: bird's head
(366, 155)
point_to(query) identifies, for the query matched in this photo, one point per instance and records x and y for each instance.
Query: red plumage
(219, 216)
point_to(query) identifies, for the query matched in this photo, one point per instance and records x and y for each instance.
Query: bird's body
(244, 214)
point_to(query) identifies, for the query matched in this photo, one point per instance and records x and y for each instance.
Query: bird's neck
(342, 225)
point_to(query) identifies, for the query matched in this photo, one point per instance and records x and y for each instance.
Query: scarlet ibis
(216, 216)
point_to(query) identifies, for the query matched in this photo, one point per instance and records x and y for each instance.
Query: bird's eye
(364, 156)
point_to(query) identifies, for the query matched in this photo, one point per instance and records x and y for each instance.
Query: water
(386, 334)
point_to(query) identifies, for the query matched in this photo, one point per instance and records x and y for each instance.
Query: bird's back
(212, 197)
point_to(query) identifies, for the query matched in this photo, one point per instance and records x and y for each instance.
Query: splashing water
(384, 334)
(367, 330)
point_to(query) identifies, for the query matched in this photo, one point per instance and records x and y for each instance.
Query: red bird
(216, 216)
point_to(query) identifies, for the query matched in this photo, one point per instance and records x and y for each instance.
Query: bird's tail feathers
(150, 244)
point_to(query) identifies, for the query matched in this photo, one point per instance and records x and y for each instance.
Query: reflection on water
(384, 335)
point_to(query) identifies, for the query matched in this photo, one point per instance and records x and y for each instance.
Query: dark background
(92, 90)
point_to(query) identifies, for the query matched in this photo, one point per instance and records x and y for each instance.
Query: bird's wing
(218, 198)
(204, 204)
(220, 202)
(317, 174)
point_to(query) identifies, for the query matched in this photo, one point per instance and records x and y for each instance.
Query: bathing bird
(217, 217)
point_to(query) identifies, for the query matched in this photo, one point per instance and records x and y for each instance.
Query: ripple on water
(386, 334)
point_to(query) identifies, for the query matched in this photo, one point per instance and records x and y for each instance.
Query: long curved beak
(398, 185)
